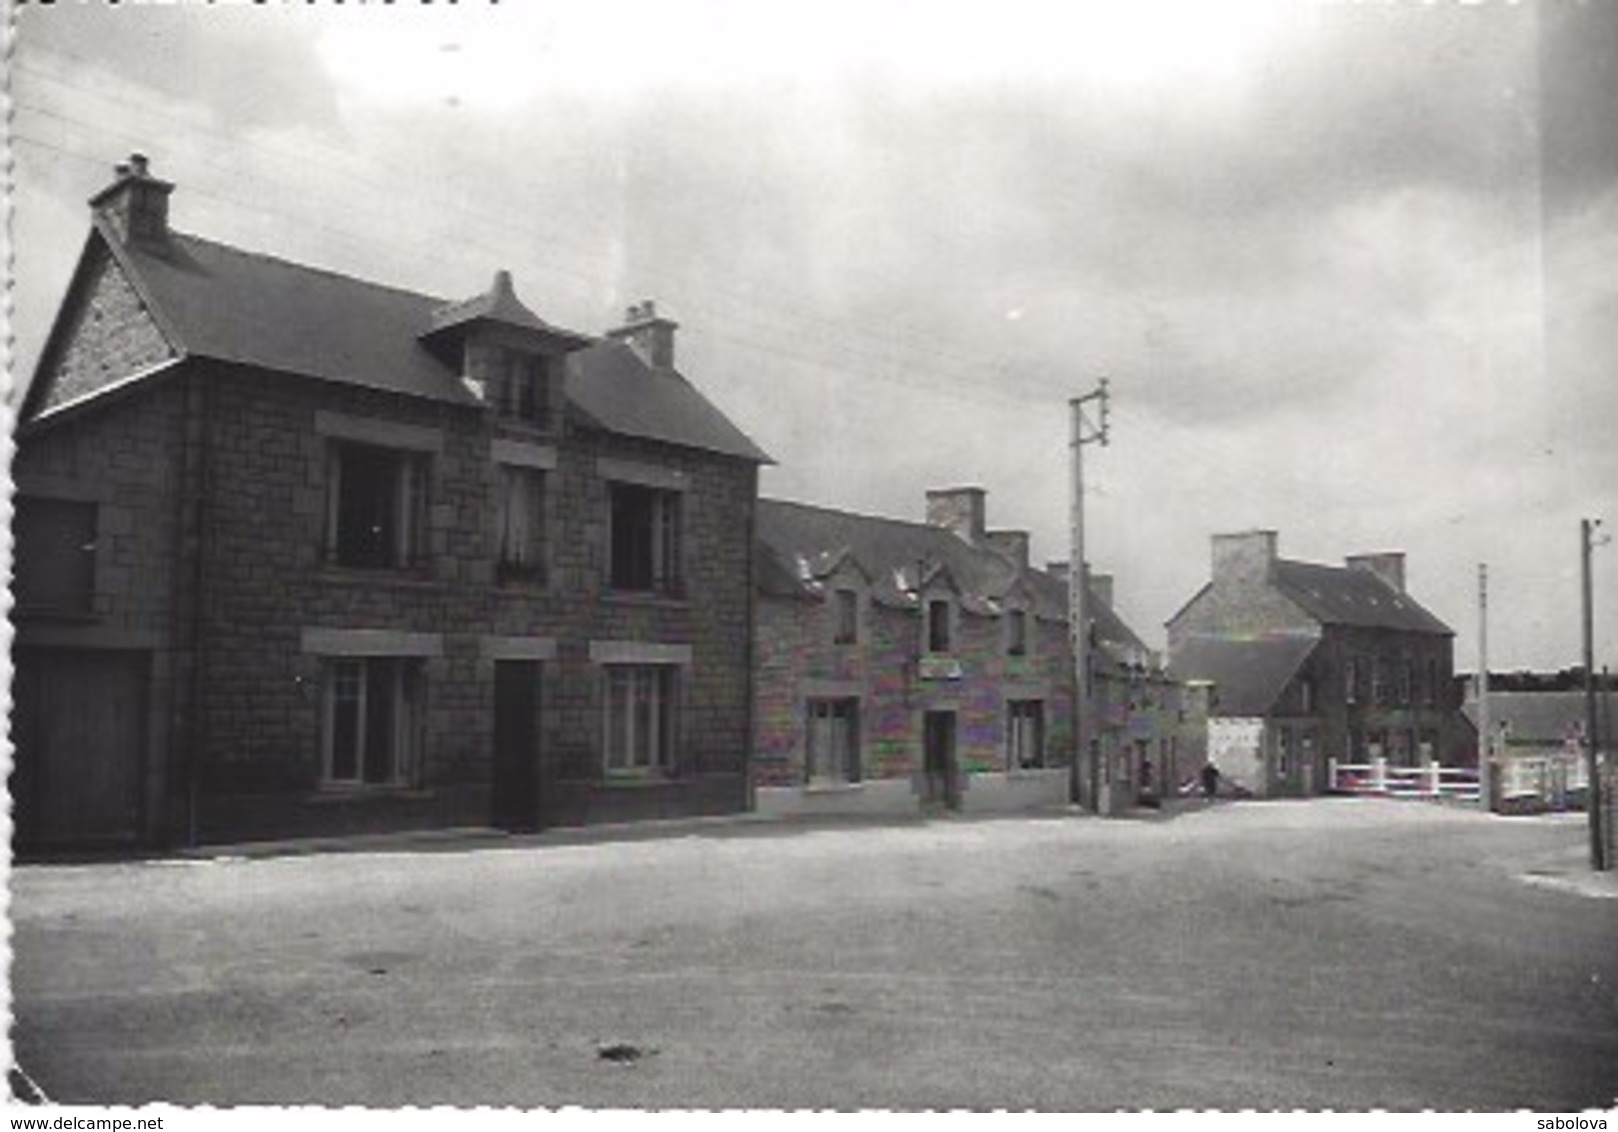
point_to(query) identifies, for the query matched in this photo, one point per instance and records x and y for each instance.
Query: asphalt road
(1340, 953)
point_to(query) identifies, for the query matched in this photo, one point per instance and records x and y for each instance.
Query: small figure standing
(1210, 780)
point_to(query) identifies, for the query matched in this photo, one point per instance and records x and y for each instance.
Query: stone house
(906, 665)
(299, 553)
(1302, 663)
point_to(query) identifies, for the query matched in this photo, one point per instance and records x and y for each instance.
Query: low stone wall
(1015, 792)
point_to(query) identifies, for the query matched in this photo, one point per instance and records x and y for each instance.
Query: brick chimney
(1244, 559)
(136, 204)
(959, 509)
(648, 333)
(1012, 544)
(1057, 570)
(1390, 567)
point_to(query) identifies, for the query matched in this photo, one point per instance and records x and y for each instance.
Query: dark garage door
(79, 728)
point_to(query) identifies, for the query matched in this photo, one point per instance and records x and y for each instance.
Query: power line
(798, 324)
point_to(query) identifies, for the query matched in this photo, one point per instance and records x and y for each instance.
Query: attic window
(938, 626)
(1016, 633)
(846, 608)
(518, 388)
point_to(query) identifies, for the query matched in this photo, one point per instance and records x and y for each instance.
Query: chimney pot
(135, 206)
(648, 334)
(502, 282)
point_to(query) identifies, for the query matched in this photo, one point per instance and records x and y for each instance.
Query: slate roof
(1536, 718)
(1340, 595)
(800, 543)
(620, 393)
(220, 302)
(1249, 674)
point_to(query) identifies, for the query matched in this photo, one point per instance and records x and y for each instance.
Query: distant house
(302, 553)
(906, 665)
(1300, 663)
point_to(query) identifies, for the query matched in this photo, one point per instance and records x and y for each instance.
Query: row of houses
(300, 553)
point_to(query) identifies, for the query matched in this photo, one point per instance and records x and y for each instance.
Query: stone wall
(798, 659)
(267, 583)
(108, 337)
(128, 463)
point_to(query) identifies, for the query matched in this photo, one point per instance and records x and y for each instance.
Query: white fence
(1550, 777)
(1377, 777)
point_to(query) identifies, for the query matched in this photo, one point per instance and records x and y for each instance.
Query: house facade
(1302, 663)
(299, 553)
(906, 666)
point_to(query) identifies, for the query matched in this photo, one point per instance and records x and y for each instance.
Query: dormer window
(938, 626)
(1016, 633)
(846, 608)
(518, 387)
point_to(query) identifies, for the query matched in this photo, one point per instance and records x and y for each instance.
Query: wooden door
(79, 723)
(938, 755)
(516, 745)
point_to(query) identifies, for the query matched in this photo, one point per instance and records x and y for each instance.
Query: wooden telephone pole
(1085, 784)
(1593, 792)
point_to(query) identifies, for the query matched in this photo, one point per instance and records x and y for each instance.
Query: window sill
(370, 577)
(529, 579)
(335, 792)
(637, 779)
(830, 786)
(646, 597)
(546, 426)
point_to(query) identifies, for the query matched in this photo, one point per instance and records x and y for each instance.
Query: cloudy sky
(1350, 269)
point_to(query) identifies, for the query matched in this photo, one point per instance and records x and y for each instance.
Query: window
(369, 737)
(56, 553)
(520, 518)
(846, 608)
(1351, 681)
(1025, 734)
(1283, 753)
(1016, 633)
(640, 718)
(832, 748)
(1381, 692)
(376, 506)
(938, 626)
(645, 538)
(1430, 689)
(1306, 696)
(520, 390)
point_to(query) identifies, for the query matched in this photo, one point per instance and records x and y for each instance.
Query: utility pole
(1485, 740)
(1085, 777)
(1598, 844)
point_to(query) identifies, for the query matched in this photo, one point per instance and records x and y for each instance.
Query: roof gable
(76, 363)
